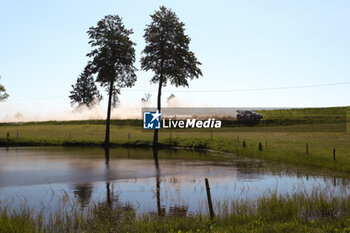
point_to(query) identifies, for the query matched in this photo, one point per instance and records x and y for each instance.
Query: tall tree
(113, 56)
(84, 91)
(3, 93)
(167, 54)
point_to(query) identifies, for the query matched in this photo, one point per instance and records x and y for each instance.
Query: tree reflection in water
(83, 193)
(111, 203)
(177, 210)
(160, 210)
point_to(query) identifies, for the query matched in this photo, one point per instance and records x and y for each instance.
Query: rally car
(249, 117)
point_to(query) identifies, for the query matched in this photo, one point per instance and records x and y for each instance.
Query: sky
(247, 48)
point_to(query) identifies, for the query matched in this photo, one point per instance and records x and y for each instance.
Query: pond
(44, 178)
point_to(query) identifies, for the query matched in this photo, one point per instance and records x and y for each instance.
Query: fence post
(334, 154)
(210, 204)
(260, 146)
(128, 136)
(307, 148)
(211, 135)
(244, 145)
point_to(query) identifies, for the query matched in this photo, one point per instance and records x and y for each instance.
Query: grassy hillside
(304, 116)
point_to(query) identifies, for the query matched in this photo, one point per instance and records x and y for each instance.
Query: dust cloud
(95, 112)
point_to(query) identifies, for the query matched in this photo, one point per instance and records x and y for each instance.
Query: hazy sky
(241, 44)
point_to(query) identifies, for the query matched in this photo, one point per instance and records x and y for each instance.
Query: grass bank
(318, 212)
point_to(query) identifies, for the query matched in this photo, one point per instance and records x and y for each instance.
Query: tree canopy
(3, 93)
(84, 91)
(113, 53)
(167, 51)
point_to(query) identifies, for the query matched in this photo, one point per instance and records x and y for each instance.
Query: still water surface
(43, 178)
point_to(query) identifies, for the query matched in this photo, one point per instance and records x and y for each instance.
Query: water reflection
(160, 210)
(83, 192)
(108, 190)
(178, 210)
(107, 155)
(109, 194)
(164, 182)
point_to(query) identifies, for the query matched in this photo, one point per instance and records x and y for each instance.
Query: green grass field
(281, 143)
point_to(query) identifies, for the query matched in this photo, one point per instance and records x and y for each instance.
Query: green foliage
(84, 91)
(3, 93)
(167, 51)
(113, 53)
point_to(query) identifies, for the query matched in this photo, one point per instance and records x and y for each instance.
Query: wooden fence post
(210, 204)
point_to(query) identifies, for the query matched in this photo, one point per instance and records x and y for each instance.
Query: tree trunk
(109, 114)
(155, 156)
(155, 136)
